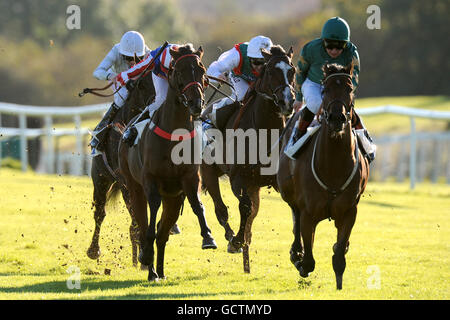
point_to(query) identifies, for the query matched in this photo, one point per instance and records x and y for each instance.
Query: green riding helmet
(336, 29)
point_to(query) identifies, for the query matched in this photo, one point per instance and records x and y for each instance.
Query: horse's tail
(113, 192)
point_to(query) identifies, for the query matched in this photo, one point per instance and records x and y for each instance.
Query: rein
(333, 193)
(179, 137)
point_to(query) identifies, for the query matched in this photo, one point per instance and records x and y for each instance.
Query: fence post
(23, 141)
(79, 156)
(50, 145)
(412, 154)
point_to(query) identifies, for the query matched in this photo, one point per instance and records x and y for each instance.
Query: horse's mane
(333, 68)
(185, 49)
(277, 50)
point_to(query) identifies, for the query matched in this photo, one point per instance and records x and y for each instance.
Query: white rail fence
(393, 156)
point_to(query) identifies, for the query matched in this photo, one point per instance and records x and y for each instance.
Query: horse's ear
(349, 68)
(266, 54)
(290, 52)
(199, 52)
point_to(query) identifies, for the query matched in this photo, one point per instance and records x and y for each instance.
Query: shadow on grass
(385, 205)
(61, 287)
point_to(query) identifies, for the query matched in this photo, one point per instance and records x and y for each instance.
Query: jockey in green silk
(333, 46)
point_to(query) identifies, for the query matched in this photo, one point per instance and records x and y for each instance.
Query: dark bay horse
(105, 168)
(268, 103)
(329, 176)
(149, 169)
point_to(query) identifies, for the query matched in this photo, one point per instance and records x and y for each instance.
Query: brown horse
(329, 176)
(268, 103)
(105, 168)
(149, 169)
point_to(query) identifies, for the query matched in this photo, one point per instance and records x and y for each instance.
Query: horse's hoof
(303, 273)
(297, 264)
(94, 253)
(296, 260)
(229, 235)
(232, 249)
(152, 276)
(208, 243)
(175, 230)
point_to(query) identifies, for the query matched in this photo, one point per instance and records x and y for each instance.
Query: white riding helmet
(132, 42)
(256, 44)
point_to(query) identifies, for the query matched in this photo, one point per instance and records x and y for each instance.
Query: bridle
(181, 94)
(273, 92)
(348, 107)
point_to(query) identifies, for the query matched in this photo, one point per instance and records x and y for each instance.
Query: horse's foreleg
(344, 224)
(245, 210)
(190, 187)
(134, 228)
(154, 202)
(211, 181)
(307, 230)
(101, 187)
(296, 252)
(170, 214)
(254, 196)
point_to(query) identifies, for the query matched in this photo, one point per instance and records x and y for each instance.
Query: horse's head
(337, 104)
(277, 78)
(187, 77)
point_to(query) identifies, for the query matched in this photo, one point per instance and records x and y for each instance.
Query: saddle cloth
(292, 148)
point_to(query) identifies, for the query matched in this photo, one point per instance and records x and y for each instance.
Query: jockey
(122, 56)
(242, 64)
(334, 46)
(160, 69)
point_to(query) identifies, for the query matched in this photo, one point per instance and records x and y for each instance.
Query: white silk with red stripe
(147, 65)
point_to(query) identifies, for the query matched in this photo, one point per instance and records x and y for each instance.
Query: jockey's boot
(306, 117)
(366, 140)
(131, 132)
(100, 131)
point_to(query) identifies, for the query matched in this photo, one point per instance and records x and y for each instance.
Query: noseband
(190, 84)
(273, 92)
(348, 108)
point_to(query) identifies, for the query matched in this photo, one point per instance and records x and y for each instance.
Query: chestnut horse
(149, 169)
(105, 168)
(328, 177)
(267, 104)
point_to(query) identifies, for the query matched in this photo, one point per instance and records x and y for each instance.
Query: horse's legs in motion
(190, 186)
(171, 211)
(101, 187)
(154, 201)
(254, 196)
(211, 181)
(134, 228)
(344, 225)
(296, 252)
(245, 210)
(307, 228)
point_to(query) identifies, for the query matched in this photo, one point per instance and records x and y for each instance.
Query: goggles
(334, 44)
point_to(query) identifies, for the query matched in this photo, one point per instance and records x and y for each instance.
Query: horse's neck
(335, 154)
(173, 115)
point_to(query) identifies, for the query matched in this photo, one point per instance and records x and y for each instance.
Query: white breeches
(312, 93)
(240, 85)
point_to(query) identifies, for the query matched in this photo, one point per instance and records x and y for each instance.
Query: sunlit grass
(46, 226)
